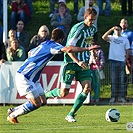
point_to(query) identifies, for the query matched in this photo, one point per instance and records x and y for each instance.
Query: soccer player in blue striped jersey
(28, 74)
(76, 64)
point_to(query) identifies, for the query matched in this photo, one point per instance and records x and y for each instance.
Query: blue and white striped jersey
(40, 56)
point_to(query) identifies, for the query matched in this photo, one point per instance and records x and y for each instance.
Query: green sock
(78, 103)
(53, 93)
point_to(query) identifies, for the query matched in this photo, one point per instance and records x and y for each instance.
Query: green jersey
(80, 36)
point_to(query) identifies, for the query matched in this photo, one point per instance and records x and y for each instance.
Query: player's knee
(38, 105)
(87, 90)
(64, 93)
(44, 103)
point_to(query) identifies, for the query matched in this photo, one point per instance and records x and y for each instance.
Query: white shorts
(27, 87)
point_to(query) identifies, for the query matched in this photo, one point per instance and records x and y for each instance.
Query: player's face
(89, 20)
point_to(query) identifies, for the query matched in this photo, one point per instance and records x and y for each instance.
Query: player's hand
(82, 64)
(94, 47)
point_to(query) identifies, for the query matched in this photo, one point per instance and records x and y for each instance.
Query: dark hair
(118, 26)
(89, 11)
(62, 4)
(93, 42)
(57, 34)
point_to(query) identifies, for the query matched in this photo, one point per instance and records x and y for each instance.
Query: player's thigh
(39, 88)
(29, 89)
(67, 73)
(41, 92)
(24, 86)
(36, 97)
(84, 74)
(85, 78)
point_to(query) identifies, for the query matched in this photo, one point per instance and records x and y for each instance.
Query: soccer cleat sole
(70, 120)
(12, 120)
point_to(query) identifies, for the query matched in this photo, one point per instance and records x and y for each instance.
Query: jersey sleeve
(73, 37)
(56, 50)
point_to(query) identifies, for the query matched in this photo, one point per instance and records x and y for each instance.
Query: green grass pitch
(50, 119)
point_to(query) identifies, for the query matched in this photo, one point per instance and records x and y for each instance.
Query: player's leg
(79, 101)
(41, 97)
(58, 92)
(86, 85)
(53, 93)
(30, 105)
(66, 79)
(33, 92)
(41, 94)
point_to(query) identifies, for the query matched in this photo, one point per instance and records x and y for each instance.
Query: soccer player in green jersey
(76, 64)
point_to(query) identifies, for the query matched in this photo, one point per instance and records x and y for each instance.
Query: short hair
(57, 34)
(62, 5)
(118, 26)
(89, 11)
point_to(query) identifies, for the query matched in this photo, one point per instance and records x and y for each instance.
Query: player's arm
(74, 49)
(74, 58)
